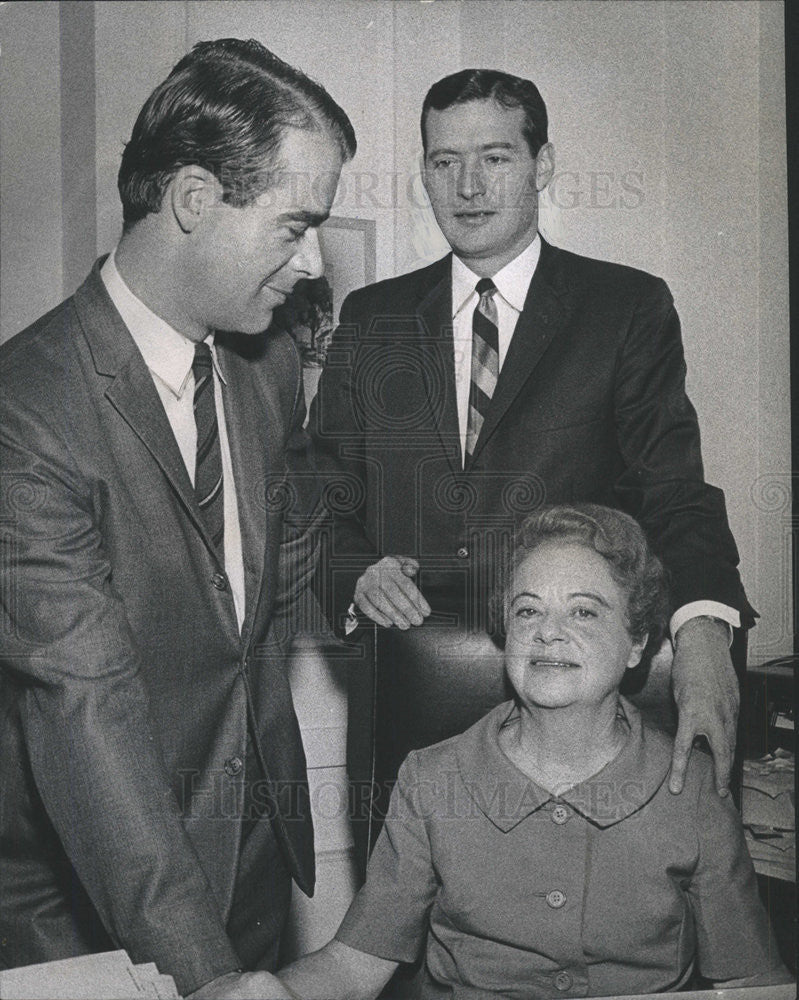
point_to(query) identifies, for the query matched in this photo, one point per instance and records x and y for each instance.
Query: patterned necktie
(208, 470)
(485, 362)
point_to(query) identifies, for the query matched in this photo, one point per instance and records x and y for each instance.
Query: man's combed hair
(491, 84)
(621, 541)
(224, 107)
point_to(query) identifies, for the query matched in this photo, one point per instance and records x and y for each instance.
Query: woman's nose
(549, 629)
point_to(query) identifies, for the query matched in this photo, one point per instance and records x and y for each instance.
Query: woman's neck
(560, 747)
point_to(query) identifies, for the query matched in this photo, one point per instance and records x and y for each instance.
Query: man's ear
(192, 192)
(544, 166)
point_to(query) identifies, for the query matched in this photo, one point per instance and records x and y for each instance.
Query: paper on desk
(109, 974)
(154, 984)
(769, 815)
(767, 799)
(772, 774)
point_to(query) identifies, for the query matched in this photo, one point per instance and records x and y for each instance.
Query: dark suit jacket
(590, 406)
(126, 686)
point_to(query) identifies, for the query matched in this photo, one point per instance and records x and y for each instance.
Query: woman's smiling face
(567, 635)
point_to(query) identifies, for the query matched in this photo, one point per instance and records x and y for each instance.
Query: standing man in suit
(153, 458)
(509, 374)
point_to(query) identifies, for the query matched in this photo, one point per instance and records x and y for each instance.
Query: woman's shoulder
(445, 754)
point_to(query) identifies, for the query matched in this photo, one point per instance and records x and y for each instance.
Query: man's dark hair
(224, 107)
(491, 84)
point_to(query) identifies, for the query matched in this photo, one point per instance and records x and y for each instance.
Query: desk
(767, 706)
(769, 814)
(768, 712)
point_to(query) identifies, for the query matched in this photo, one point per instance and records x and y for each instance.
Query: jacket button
(219, 580)
(560, 815)
(563, 981)
(556, 899)
(233, 765)
(463, 552)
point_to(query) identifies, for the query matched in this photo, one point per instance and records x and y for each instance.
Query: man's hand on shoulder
(707, 696)
(387, 594)
(243, 986)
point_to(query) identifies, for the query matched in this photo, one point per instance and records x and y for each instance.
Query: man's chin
(252, 327)
(469, 239)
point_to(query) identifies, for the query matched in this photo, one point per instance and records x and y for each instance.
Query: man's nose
(308, 258)
(471, 181)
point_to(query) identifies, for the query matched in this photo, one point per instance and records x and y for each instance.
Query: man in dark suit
(453, 404)
(154, 466)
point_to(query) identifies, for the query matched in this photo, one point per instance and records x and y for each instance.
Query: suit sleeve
(92, 747)
(663, 484)
(298, 500)
(337, 431)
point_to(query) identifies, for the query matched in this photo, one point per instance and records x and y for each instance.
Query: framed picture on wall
(310, 313)
(348, 250)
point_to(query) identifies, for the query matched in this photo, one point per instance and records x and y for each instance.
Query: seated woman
(540, 853)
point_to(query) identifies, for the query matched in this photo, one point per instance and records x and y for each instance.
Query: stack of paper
(110, 974)
(769, 811)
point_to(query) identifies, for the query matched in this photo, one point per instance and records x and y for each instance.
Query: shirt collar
(506, 796)
(167, 353)
(512, 281)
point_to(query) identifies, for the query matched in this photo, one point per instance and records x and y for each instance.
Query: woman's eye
(584, 613)
(525, 612)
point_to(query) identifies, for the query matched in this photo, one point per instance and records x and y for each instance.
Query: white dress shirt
(169, 357)
(513, 283)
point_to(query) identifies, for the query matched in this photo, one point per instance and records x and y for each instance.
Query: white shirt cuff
(351, 621)
(698, 609)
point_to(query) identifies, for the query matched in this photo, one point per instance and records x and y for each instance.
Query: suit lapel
(134, 396)
(547, 309)
(438, 356)
(131, 390)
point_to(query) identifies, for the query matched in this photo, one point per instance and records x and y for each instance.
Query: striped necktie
(208, 469)
(485, 362)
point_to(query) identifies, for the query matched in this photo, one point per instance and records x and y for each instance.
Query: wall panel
(30, 164)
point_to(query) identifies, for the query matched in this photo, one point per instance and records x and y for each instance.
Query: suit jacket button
(563, 982)
(463, 552)
(219, 580)
(233, 766)
(556, 899)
